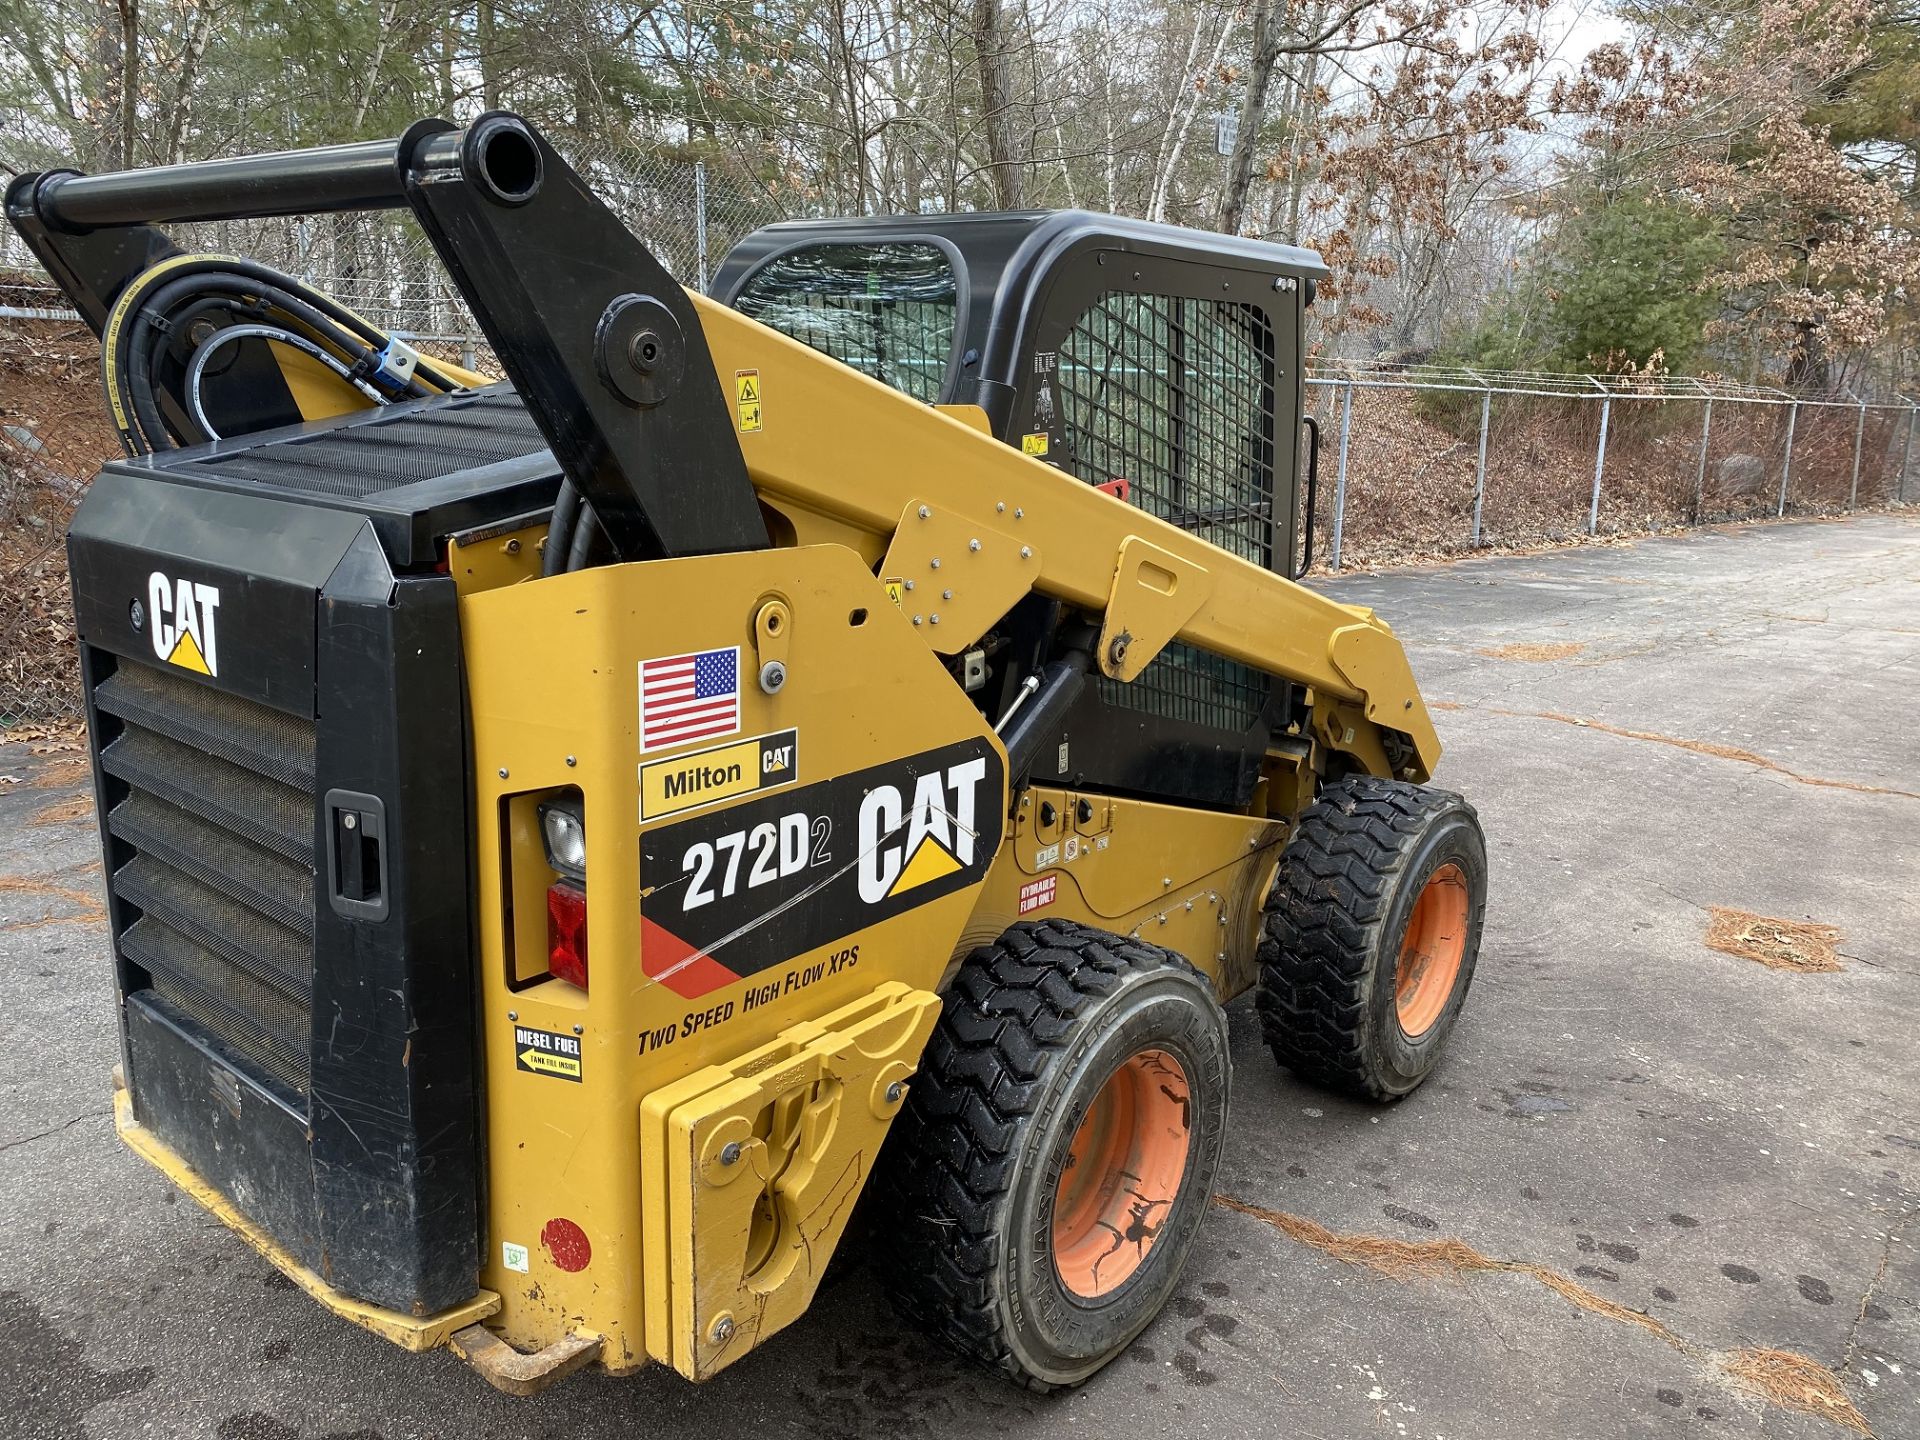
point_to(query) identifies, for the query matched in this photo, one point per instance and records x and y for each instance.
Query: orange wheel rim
(1122, 1175)
(1431, 954)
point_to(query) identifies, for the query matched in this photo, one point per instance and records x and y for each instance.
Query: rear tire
(1371, 934)
(1057, 1150)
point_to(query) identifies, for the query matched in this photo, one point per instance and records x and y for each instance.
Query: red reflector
(567, 933)
(1119, 489)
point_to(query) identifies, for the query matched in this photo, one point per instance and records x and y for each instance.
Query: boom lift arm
(622, 370)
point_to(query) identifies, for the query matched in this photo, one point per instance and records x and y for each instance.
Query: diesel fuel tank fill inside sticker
(547, 1052)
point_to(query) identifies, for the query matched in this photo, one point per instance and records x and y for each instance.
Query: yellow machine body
(691, 1258)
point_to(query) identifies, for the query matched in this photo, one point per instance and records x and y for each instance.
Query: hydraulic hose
(186, 308)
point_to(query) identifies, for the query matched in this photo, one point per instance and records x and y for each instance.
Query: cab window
(888, 310)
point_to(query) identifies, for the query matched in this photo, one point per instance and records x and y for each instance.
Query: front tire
(1057, 1149)
(1371, 934)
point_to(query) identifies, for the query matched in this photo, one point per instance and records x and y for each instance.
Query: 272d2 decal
(734, 892)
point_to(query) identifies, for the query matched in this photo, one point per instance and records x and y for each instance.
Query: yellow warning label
(896, 590)
(186, 654)
(1034, 444)
(746, 394)
(929, 862)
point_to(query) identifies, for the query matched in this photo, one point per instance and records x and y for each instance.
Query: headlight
(563, 831)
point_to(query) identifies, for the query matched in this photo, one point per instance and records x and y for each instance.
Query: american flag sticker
(689, 697)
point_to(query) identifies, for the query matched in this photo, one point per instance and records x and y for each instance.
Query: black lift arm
(602, 344)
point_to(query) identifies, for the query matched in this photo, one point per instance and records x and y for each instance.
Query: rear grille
(219, 813)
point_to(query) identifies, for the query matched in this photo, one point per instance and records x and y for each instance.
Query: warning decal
(746, 395)
(737, 891)
(1035, 443)
(546, 1052)
(896, 589)
(1038, 893)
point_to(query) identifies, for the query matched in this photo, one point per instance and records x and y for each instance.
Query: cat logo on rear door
(183, 616)
(733, 891)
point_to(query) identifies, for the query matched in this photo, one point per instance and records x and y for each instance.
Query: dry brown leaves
(1796, 1381)
(73, 807)
(1798, 945)
(1781, 1376)
(1560, 650)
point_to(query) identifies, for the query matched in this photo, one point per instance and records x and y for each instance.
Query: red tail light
(567, 933)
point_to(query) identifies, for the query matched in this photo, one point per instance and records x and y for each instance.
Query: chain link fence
(1416, 462)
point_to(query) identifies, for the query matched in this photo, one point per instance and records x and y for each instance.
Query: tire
(1349, 999)
(1065, 1056)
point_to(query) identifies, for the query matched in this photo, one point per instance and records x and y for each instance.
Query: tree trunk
(996, 105)
(129, 79)
(199, 29)
(1253, 116)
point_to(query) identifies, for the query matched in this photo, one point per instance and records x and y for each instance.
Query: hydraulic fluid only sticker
(731, 893)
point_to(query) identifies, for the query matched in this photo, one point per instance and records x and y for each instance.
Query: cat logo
(183, 614)
(902, 847)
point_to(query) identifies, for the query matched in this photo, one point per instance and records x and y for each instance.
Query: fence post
(1340, 484)
(1786, 461)
(1700, 480)
(1480, 472)
(700, 218)
(1906, 455)
(1859, 434)
(1599, 467)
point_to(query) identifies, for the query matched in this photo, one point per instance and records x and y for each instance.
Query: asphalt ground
(1655, 1158)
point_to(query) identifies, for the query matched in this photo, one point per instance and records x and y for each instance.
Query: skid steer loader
(569, 839)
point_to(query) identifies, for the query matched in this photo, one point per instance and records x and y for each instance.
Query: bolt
(946, 594)
(1189, 905)
(1221, 956)
(925, 513)
(513, 1014)
(1223, 917)
(350, 821)
(1026, 552)
(503, 772)
(572, 760)
(936, 618)
(773, 675)
(909, 585)
(730, 1153)
(916, 619)
(934, 563)
(513, 547)
(1117, 651)
(579, 1029)
(1000, 507)
(1409, 704)
(137, 613)
(1019, 513)
(894, 1092)
(1166, 882)
(722, 1330)
(973, 544)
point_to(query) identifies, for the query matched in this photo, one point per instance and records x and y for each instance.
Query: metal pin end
(730, 1153)
(894, 1092)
